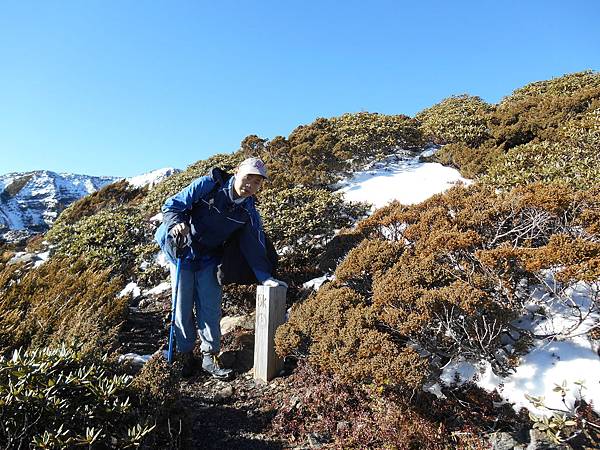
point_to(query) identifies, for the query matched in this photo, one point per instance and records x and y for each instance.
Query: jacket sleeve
(177, 208)
(253, 245)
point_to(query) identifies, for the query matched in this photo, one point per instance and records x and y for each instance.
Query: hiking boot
(188, 364)
(211, 365)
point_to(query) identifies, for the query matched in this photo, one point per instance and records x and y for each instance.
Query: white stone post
(270, 313)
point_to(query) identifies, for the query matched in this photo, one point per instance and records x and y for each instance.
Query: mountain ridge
(31, 201)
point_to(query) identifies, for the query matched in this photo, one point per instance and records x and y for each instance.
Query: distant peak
(152, 178)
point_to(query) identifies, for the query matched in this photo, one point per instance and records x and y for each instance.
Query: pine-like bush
(443, 279)
(61, 301)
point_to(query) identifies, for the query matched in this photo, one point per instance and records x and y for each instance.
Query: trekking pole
(179, 246)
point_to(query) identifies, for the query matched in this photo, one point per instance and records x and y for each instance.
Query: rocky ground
(234, 414)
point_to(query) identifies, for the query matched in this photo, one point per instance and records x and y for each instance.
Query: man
(205, 214)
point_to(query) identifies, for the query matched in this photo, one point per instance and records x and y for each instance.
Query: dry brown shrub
(365, 262)
(445, 277)
(337, 248)
(61, 301)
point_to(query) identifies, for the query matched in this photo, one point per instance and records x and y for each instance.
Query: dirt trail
(224, 415)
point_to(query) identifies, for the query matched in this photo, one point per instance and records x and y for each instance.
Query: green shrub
(573, 159)
(364, 136)
(110, 239)
(458, 119)
(538, 110)
(53, 398)
(471, 162)
(110, 196)
(302, 220)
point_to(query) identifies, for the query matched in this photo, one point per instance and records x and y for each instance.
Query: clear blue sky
(124, 87)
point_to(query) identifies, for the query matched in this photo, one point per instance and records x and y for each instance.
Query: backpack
(234, 269)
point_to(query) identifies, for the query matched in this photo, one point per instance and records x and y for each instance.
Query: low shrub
(111, 239)
(362, 416)
(54, 398)
(471, 162)
(538, 110)
(443, 279)
(573, 158)
(320, 153)
(363, 137)
(459, 119)
(301, 221)
(61, 301)
(109, 197)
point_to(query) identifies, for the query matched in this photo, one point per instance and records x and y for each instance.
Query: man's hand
(181, 229)
(272, 282)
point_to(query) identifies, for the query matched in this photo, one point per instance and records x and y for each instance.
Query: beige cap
(252, 166)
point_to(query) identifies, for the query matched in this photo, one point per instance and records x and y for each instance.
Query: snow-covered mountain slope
(151, 179)
(31, 201)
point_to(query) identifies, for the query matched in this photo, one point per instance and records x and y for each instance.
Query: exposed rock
(539, 441)
(224, 393)
(503, 441)
(229, 323)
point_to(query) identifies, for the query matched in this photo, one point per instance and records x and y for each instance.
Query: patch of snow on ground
(162, 287)
(43, 257)
(131, 288)
(316, 283)
(402, 178)
(567, 356)
(161, 260)
(134, 358)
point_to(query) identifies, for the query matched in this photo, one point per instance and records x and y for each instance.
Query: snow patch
(162, 287)
(316, 283)
(151, 179)
(400, 177)
(131, 288)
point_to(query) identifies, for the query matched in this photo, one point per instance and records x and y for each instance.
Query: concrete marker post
(270, 314)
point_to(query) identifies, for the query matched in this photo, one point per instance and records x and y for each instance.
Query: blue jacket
(205, 205)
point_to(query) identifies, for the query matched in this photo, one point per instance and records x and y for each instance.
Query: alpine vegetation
(449, 313)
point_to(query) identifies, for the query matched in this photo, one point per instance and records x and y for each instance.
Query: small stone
(224, 393)
(502, 441)
(342, 425)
